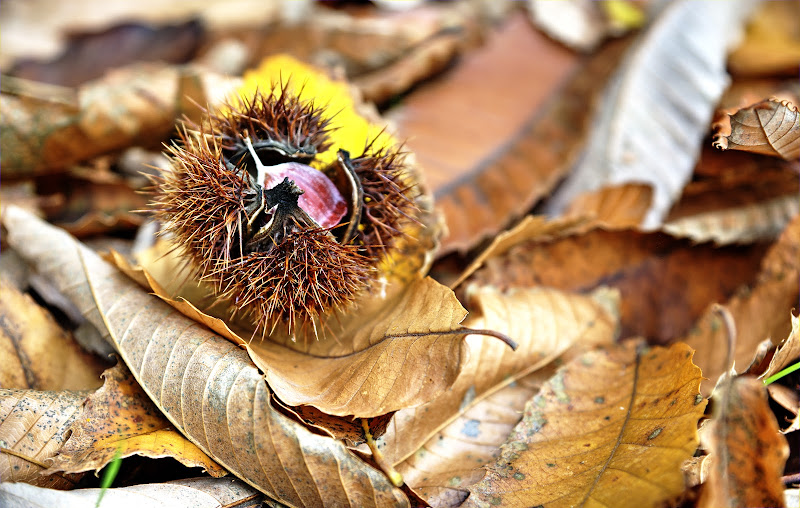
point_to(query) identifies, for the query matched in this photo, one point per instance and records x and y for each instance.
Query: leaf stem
(395, 477)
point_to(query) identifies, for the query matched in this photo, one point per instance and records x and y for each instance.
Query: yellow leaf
(610, 429)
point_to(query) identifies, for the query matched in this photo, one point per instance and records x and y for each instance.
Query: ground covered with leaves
(560, 261)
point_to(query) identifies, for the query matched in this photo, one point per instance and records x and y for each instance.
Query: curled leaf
(771, 127)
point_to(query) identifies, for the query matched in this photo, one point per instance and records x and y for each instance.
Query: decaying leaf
(787, 353)
(614, 207)
(771, 44)
(544, 322)
(204, 384)
(759, 312)
(771, 127)
(33, 427)
(650, 126)
(42, 131)
(36, 352)
(188, 493)
(611, 428)
(746, 450)
(120, 420)
(655, 273)
(749, 223)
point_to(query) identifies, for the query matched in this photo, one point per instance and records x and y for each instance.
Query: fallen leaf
(614, 207)
(119, 420)
(86, 55)
(650, 126)
(787, 353)
(770, 127)
(205, 385)
(188, 493)
(33, 427)
(45, 129)
(37, 353)
(759, 312)
(655, 273)
(744, 444)
(544, 322)
(771, 44)
(490, 161)
(611, 428)
(453, 458)
(750, 223)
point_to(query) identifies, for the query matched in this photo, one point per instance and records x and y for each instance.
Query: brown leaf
(416, 354)
(771, 44)
(655, 273)
(188, 493)
(759, 312)
(787, 353)
(656, 111)
(205, 385)
(37, 353)
(45, 129)
(611, 428)
(33, 427)
(747, 452)
(544, 322)
(119, 418)
(614, 207)
(770, 127)
(489, 161)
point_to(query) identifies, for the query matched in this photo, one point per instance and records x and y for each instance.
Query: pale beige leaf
(748, 223)
(33, 427)
(205, 385)
(650, 126)
(770, 127)
(787, 353)
(188, 493)
(744, 445)
(543, 322)
(612, 428)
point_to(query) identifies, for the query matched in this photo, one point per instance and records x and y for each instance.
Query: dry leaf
(771, 44)
(188, 493)
(120, 420)
(749, 223)
(478, 181)
(36, 352)
(611, 428)
(770, 127)
(45, 130)
(33, 427)
(759, 312)
(654, 115)
(453, 459)
(655, 273)
(614, 207)
(787, 353)
(205, 385)
(545, 323)
(744, 445)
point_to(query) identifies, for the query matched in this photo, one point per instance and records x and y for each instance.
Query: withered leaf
(33, 427)
(205, 385)
(787, 353)
(43, 132)
(544, 322)
(654, 114)
(759, 312)
(747, 451)
(655, 273)
(119, 418)
(612, 427)
(771, 127)
(771, 44)
(188, 493)
(36, 352)
(615, 206)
